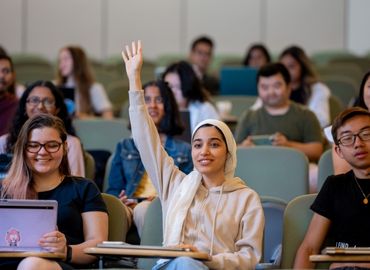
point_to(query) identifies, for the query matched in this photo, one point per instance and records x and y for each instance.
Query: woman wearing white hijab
(208, 210)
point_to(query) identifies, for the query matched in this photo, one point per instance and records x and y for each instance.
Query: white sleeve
(75, 156)
(328, 135)
(3, 143)
(319, 103)
(99, 98)
(257, 104)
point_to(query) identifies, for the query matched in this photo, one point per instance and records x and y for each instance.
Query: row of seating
(285, 227)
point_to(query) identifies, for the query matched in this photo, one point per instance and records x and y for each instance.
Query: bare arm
(312, 242)
(313, 150)
(107, 114)
(95, 227)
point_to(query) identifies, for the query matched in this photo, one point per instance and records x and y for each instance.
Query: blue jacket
(127, 168)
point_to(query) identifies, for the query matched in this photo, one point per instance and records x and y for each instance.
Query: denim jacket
(127, 169)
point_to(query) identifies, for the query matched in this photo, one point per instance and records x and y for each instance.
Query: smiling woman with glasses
(40, 170)
(44, 97)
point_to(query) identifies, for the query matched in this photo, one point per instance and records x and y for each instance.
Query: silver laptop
(24, 222)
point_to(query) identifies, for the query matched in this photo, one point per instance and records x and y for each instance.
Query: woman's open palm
(133, 59)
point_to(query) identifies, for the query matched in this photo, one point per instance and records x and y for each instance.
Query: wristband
(69, 254)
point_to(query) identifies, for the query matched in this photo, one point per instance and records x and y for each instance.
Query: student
(306, 88)
(189, 93)
(289, 124)
(127, 177)
(44, 97)
(200, 56)
(197, 207)
(257, 56)
(40, 171)
(363, 101)
(8, 99)
(341, 209)
(74, 71)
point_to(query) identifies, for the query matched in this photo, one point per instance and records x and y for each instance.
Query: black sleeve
(92, 199)
(324, 202)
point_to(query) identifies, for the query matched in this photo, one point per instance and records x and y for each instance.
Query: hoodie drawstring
(214, 220)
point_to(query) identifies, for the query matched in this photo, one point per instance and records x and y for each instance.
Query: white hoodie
(225, 221)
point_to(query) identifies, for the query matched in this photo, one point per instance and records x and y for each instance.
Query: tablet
(262, 139)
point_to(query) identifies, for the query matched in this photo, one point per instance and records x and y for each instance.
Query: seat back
(118, 222)
(273, 171)
(342, 87)
(325, 167)
(89, 163)
(108, 166)
(101, 134)
(152, 233)
(297, 217)
(335, 106)
(273, 209)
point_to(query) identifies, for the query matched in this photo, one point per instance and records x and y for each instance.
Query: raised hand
(133, 61)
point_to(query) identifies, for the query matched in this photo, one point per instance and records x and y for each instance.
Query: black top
(75, 196)
(341, 201)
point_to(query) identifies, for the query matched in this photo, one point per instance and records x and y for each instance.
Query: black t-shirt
(341, 201)
(75, 196)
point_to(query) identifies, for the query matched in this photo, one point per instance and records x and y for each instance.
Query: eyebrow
(210, 139)
(349, 131)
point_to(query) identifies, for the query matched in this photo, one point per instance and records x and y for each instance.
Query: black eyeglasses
(50, 147)
(347, 140)
(35, 101)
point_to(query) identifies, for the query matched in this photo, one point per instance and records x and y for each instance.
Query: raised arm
(159, 166)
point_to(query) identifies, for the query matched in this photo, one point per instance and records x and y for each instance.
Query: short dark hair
(274, 69)
(171, 123)
(256, 46)
(343, 117)
(202, 39)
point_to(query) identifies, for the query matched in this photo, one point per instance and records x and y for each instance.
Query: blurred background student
(74, 71)
(257, 56)
(189, 93)
(43, 97)
(306, 87)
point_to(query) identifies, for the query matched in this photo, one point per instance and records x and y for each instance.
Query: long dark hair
(21, 116)
(308, 74)
(191, 86)
(260, 47)
(171, 123)
(360, 102)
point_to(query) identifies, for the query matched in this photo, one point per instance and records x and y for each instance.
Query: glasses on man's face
(156, 100)
(50, 147)
(46, 102)
(347, 140)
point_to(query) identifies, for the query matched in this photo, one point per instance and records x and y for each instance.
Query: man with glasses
(200, 57)
(342, 209)
(8, 100)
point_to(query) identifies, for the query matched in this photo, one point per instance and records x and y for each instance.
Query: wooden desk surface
(149, 253)
(339, 258)
(32, 254)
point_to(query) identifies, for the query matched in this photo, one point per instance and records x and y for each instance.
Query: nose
(204, 150)
(41, 105)
(43, 151)
(358, 141)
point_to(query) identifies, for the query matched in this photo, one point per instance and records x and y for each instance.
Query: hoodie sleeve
(249, 245)
(158, 164)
